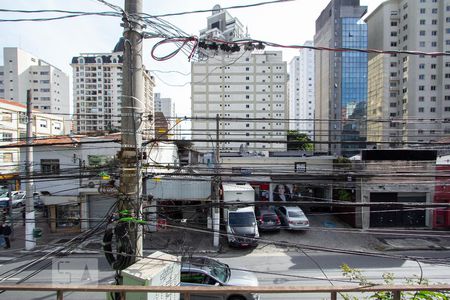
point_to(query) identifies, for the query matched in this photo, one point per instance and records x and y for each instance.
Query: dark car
(267, 219)
(205, 271)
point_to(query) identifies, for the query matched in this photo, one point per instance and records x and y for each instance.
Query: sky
(58, 41)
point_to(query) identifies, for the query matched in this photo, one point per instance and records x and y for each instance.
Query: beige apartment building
(409, 95)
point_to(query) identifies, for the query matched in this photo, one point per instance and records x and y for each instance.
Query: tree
(298, 141)
(356, 275)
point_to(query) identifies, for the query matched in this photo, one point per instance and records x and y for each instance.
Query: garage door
(98, 205)
(392, 215)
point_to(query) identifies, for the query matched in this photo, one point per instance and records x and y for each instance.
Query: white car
(292, 217)
(18, 199)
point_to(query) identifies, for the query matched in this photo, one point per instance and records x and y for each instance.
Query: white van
(242, 229)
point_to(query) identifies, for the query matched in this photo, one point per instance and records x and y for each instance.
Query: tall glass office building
(341, 79)
(353, 86)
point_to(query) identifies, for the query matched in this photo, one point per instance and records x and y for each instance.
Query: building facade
(221, 25)
(97, 91)
(22, 71)
(242, 95)
(13, 129)
(409, 95)
(341, 79)
(301, 92)
(166, 106)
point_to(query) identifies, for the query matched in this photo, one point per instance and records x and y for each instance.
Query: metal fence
(187, 291)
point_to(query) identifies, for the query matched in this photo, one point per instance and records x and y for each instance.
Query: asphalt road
(281, 268)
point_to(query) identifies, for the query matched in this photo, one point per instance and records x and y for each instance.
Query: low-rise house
(13, 128)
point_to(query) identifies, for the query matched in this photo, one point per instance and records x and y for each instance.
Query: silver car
(204, 271)
(292, 217)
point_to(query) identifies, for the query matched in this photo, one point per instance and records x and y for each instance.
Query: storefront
(63, 213)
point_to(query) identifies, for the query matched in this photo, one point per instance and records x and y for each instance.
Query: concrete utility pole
(30, 241)
(133, 107)
(216, 190)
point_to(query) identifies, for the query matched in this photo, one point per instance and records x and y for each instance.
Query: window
(6, 117)
(421, 77)
(432, 109)
(422, 22)
(7, 157)
(393, 23)
(421, 88)
(422, 11)
(434, 11)
(434, 33)
(6, 137)
(50, 166)
(421, 98)
(422, 33)
(447, 108)
(422, 66)
(421, 109)
(68, 215)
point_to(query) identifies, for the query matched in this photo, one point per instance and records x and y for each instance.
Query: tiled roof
(53, 140)
(9, 102)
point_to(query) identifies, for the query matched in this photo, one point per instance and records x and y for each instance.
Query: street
(281, 268)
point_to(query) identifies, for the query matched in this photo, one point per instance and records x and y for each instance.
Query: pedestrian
(6, 233)
(2, 239)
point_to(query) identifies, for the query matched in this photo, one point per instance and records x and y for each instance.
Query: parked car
(18, 198)
(292, 217)
(267, 219)
(4, 200)
(242, 230)
(205, 271)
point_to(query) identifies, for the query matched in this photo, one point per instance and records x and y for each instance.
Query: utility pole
(133, 107)
(30, 241)
(216, 190)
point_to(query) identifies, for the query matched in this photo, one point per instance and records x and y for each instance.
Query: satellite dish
(216, 9)
(91, 184)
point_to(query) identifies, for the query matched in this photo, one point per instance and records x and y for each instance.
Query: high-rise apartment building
(221, 25)
(166, 106)
(341, 79)
(22, 71)
(242, 93)
(301, 91)
(97, 91)
(409, 95)
(242, 89)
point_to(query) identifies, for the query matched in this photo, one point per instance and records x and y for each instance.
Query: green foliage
(344, 195)
(298, 141)
(388, 278)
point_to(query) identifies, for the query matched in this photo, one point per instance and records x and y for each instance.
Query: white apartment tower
(22, 71)
(166, 106)
(97, 91)
(410, 92)
(243, 89)
(301, 91)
